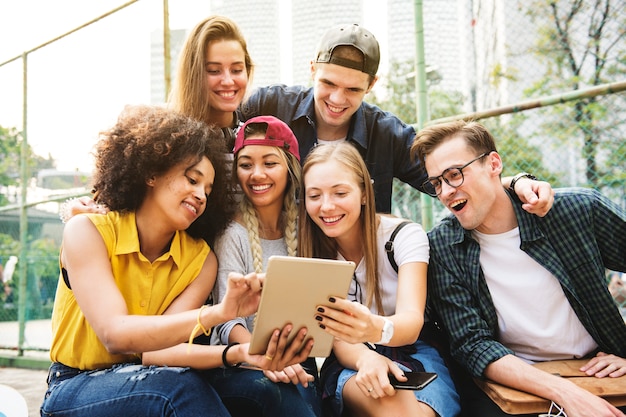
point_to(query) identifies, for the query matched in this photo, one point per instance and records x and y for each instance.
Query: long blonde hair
(313, 243)
(189, 94)
(289, 215)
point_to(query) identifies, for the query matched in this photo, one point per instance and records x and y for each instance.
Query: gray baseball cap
(350, 35)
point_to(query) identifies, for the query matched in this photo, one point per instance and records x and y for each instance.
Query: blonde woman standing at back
(213, 73)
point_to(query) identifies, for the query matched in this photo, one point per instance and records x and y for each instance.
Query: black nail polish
(322, 326)
(320, 309)
(318, 318)
(331, 299)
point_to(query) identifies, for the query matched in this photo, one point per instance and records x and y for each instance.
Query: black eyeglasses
(452, 176)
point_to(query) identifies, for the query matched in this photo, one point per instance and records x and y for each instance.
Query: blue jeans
(129, 390)
(247, 392)
(440, 395)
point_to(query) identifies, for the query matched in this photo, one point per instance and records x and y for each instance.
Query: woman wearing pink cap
(267, 169)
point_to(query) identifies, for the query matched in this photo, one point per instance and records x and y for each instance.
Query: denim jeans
(247, 392)
(129, 390)
(440, 395)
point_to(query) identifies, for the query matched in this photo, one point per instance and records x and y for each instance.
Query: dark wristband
(518, 176)
(224, 361)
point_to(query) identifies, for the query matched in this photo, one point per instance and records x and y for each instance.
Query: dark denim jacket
(383, 140)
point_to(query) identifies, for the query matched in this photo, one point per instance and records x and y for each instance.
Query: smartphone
(415, 380)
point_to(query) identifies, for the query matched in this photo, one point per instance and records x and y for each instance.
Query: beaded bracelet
(224, 361)
(65, 209)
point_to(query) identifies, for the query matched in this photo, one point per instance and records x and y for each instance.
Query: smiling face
(334, 199)
(262, 173)
(338, 93)
(226, 76)
(180, 194)
(474, 200)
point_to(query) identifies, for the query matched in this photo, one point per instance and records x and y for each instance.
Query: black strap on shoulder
(389, 245)
(66, 278)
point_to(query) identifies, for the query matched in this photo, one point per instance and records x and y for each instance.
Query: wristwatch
(387, 332)
(518, 176)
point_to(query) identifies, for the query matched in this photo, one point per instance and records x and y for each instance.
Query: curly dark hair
(148, 141)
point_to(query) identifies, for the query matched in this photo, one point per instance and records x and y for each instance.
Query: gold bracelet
(198, 326)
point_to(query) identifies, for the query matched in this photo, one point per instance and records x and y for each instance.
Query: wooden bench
(513, 401)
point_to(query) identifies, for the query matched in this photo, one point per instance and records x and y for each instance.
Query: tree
(398, 97)
(518, 153)
(582, 44)
(10, 151)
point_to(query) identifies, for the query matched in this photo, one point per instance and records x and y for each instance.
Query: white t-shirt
(410, 245)
(330, 142)
(535, 318)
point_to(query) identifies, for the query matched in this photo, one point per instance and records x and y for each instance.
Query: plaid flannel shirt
(583, 234)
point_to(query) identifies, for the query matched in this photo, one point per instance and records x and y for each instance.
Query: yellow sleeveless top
(148, 288)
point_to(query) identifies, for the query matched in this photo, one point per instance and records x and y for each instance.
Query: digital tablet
(292, 290)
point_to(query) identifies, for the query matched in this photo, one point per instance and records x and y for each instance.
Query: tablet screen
(292, 290)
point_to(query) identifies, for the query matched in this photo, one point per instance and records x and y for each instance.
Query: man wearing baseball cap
(344, 71)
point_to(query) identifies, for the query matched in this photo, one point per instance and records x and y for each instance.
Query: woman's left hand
(349, 321)
(281, 352)
(605, 365)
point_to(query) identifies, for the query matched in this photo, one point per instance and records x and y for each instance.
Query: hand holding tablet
(292, 290)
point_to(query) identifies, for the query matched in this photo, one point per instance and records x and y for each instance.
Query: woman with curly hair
(133, 282)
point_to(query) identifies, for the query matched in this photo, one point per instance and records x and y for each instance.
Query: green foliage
(42, 266)
(581, 44)
(399, 95)
(9, 155)
(8, 247)
(517, 151)
(444, 103)
(399, 92)
(43, 275)
(44, 255)
(10, 151)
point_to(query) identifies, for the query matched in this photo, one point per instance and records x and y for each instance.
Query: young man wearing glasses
(513, 288)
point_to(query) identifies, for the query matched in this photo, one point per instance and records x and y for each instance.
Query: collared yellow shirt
(148, 288)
